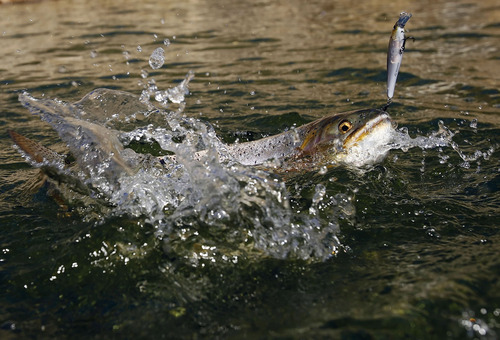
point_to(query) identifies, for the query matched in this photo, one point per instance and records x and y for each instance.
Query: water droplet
(159, 96)
(157, 58)
(473, 124)
(319, 193)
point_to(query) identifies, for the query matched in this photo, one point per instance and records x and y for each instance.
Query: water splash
(207, 208)
(443, 137)
(157, 58)
(174, 95)
(202, 209)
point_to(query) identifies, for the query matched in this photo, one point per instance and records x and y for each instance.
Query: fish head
(356, 138)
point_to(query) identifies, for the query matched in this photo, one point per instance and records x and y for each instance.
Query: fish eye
(345, 126)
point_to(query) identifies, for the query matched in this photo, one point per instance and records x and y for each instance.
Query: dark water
(415, 239)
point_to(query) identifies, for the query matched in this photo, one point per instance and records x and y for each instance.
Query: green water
(418, 242)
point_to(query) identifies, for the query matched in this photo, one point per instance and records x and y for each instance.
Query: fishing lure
(395, 53)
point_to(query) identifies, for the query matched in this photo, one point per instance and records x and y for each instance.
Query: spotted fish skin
(53, 165)
(321, 138)
(35, 151)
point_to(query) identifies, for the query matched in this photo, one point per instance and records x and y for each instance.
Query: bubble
(157, 58)
(166, 42)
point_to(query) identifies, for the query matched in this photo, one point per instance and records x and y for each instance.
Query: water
(157, 58)
(407, 248)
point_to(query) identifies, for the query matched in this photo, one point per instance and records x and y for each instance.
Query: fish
(337, 138)
(396, 48)
(328, 140)
(355, 138)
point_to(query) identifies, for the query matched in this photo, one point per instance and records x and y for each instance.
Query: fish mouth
(381, 124)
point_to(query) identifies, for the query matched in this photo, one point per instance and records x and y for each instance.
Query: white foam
(369, 145)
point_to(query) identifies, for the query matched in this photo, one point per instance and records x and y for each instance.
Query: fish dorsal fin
(37, 152)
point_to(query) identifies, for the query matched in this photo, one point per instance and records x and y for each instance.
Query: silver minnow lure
(395, 53)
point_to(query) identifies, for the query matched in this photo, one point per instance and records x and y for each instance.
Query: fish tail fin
(37, 152)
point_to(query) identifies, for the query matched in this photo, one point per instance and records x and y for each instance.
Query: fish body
(326, 140)
(35, 151)
(53, 165)
(395, 52)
